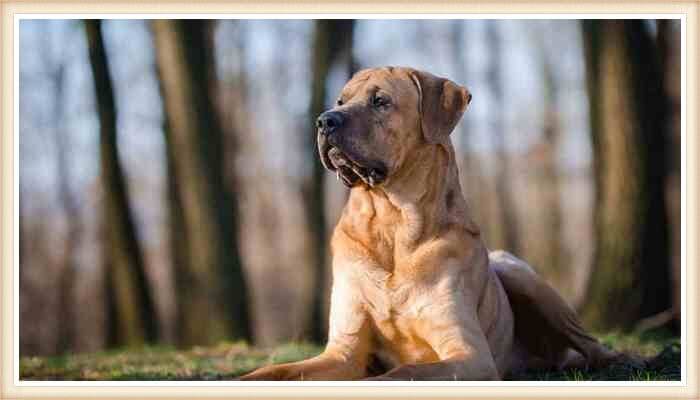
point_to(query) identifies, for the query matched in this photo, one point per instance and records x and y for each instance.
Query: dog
(416, 294)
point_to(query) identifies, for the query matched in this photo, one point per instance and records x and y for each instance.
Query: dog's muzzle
(348, 169)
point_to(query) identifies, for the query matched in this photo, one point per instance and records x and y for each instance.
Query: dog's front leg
(345, 358)
(467, 364)
(455, 369)
(454, 333)
(347, 351)
(326, 366)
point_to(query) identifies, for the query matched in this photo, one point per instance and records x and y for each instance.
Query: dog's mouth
(349, 171)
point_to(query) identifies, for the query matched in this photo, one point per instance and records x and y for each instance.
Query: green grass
(224, 361)
(662, 351)
(228, 360)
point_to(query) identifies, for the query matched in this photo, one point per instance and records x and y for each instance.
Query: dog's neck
(420, 200)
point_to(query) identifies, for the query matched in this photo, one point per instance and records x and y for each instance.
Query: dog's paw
(269, 373)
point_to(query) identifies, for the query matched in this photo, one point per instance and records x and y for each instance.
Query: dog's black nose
(329, 121)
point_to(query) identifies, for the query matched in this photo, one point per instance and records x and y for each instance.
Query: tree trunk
(211, 287)
(630, 267)
(71, 210)
(67, 201)
(134, 321)
(669, 47)
(177, 235)
(551, 258)
(332, 42)
(504, 197)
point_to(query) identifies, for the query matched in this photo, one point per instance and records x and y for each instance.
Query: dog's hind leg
(546, 327)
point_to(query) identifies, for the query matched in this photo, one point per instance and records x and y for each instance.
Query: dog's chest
(400, 315)
(397, 341)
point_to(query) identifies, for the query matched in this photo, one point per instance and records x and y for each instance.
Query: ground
(228, 360)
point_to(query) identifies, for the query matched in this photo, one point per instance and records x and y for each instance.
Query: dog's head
(383, 115)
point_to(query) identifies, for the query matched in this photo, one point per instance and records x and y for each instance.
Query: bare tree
(504, 197)
(669, 49)
(211, 287)
(629, 277)
(331, 43)
(551, 256)
(71, 212)
(134, 320)
(176, 234)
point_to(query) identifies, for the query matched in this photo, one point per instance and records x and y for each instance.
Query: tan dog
(416, 294)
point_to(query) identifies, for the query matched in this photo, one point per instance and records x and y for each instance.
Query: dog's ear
(442, 103)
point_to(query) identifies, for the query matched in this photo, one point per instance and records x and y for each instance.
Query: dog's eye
(378, 101)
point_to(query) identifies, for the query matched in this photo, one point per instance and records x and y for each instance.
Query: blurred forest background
(170, 189)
